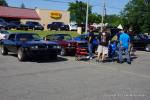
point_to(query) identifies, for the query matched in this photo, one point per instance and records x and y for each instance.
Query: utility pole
(87, 16)
(103, 15)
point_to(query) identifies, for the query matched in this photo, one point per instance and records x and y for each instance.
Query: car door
(138, 43)
(11, 43)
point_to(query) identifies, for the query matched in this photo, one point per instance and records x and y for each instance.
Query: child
(112, 50)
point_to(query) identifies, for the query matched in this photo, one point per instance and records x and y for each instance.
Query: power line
(57, 1)
(94, 5)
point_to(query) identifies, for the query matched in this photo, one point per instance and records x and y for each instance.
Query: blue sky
(113, 6)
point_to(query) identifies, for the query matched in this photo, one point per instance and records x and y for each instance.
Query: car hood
(66, 41)
(39, 42)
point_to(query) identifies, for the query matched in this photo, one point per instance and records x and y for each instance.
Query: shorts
(102, 49)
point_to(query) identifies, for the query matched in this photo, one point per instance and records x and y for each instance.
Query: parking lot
(67, 79)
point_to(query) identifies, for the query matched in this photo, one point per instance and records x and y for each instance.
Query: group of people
(110, 48)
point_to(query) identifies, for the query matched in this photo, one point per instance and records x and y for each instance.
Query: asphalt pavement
(67, 79)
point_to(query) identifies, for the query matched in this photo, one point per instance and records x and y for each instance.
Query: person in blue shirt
(124, 41)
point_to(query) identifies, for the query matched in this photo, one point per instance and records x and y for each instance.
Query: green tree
(113, 20)
(3, 3)
(136, 14)
(78, 11)
(94, 18)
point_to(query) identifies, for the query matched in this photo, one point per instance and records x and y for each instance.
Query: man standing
(103, 46)
(90, 43)
(124, 41)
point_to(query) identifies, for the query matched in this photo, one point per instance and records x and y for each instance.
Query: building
(49, 16)
(16, 14)
(44, 16)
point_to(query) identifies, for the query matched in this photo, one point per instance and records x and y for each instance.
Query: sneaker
(91, 58)
(129, 63)
(120, 62)
(88, 57)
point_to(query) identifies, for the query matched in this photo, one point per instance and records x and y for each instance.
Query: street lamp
(87, 16)
(103, 14)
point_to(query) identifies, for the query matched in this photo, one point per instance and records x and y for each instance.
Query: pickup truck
(27, 45)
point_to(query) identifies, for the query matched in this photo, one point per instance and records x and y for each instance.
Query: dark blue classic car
(27, 45)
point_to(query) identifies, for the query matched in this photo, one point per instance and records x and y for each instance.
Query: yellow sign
(55, 15)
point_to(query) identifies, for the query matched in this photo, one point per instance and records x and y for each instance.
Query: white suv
(3, 34)
(72, 27)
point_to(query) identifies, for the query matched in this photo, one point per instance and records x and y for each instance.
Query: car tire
(147, 48)
(21, 55)
(59, 29)
(63, 52)
(33, 29)
(49, 29)
(4, 51)
(54, 56)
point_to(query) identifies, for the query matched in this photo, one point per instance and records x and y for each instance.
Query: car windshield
(144, 36)
(13, 22)
(35, 23)
(29, 37)
(3, 32)
(59, 37)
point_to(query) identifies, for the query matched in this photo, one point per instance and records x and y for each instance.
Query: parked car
(3, 24)
(22, 26)
(13, 24)
(34, 25)
(27, 45)
(68, 46)
(84, 37)
(3, 34)
(141, 42)
(57, 26)
(72, 27)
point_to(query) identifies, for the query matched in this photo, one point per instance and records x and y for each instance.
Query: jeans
(120, 52)
(90, 47)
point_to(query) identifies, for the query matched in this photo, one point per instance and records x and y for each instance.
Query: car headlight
(56, 47)
(34, 47)
(69, 45)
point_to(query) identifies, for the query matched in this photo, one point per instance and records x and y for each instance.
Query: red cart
(81, 50)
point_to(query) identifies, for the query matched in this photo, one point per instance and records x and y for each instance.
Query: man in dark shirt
(103, 46)
(90, 43)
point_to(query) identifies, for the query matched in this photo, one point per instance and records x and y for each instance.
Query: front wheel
(59, 29)
(49, 29)
(21, 54)
(147, 48)
(3, 50)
